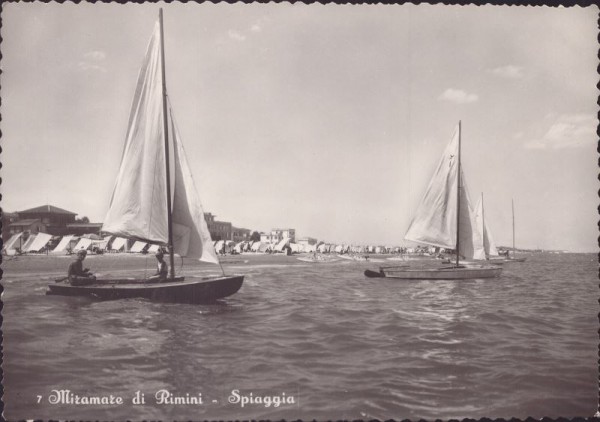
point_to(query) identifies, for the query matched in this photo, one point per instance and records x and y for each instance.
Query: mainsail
(138, 205)
(435, 221)
(485, 235)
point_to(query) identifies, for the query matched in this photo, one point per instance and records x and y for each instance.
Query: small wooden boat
(506, 260)
(192, 290)
(318, 258)
(155, 199)
(359, 258)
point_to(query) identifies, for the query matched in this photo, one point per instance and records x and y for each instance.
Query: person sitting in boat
(162, 271)
(77, 275)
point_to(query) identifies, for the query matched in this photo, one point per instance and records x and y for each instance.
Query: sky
(323, 118)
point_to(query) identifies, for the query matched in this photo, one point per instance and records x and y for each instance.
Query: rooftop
(51, 209)
(26, 222)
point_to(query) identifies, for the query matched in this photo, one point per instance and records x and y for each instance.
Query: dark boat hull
(441, 273)
(194, 290)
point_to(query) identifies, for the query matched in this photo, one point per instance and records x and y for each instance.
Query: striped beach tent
(83, 244)
(39, 242)
(118, 243)
(13, 243)
(28, 243)
(153, 248)
(138, 246)
(64, 244)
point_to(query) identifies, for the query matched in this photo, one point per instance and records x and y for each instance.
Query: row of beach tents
(46, 243)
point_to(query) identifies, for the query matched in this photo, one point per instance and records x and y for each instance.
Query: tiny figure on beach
(162, 270)
(77, 275)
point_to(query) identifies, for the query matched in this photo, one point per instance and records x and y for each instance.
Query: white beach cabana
(28, 243)
(83, 244)
(10, 248)
(39, 242)
(118, 243)
(100, 245)
(219, 246)
(138, 246)
(279, 247)
(309, 248)
(153, 248)
(64, 244)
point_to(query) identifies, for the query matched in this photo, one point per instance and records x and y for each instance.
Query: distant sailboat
(488, 245)
(513, 258)
(445, 219)
(155, 198)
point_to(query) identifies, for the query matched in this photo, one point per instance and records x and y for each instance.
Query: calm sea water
(341, 345)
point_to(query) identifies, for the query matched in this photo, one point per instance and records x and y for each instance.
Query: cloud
(235, 35)
(510, 71)
(255, 28)
(458, 96)
(95, 55)
(92, 61)
(90, 66)
(567, 131)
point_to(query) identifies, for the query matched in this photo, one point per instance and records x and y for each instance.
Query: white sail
(191, 237)
(138, 205)
(487, 241)
(472, 245)
(435, 221)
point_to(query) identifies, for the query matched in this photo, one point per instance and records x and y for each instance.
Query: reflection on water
(344, 346)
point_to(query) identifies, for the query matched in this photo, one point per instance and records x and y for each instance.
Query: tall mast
(483, 228)
(458, 198)
(166, 137)
(512, 201)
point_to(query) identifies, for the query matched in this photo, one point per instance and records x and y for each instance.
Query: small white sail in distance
(489, 246)
(435, 221)
(138, 205)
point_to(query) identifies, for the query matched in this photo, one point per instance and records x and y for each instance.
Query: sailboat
(488, 246)
(483, 242)
(445, 219)
(513, 258)
(155, 199)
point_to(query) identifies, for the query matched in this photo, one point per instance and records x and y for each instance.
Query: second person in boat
(77, 275)
(162, 270)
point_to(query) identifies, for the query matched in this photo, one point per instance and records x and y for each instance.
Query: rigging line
(222, 270)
